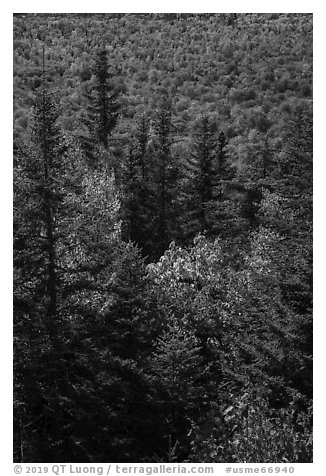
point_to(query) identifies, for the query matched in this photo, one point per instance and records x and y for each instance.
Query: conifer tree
(200, 179)
(267, 328)
(39, 193)
(103, 108)
(130, 204)
(224, 208)
(296, 167)
(40, 184)
(106, 106)
(138, 194)
(141, 149)
(178, 374)
(163, 176)
(75, 347)
(207, 183)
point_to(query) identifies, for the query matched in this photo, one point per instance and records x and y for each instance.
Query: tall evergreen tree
(225, 208)
(199, 179)
(141, 148)
(178, 375)
(138, 192)
(296, 170)
(103, 108)
(40, 184)
(207, 183)
(106, 106)
(163, 176)
(77, 289)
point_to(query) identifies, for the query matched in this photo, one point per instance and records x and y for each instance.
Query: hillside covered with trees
(163, 237)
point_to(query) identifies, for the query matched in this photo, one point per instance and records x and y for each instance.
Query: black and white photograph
(162, 238)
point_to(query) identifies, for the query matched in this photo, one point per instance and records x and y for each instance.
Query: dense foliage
(163, 238)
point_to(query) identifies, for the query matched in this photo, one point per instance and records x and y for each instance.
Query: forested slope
(249, 71)
(163, 237)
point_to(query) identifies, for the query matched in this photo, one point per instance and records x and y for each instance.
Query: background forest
(163, 237)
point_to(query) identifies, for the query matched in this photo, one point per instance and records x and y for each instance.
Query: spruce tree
(296, 170)
(178, 374)
(106, 105)
(206, 197)
(40, 184)
(224, 208)
(103, 108)
(163, 176)
(141, 148)
(138, 193)
(200, 178)
(76, 351)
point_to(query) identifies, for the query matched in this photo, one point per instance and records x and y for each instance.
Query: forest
(162, 174)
